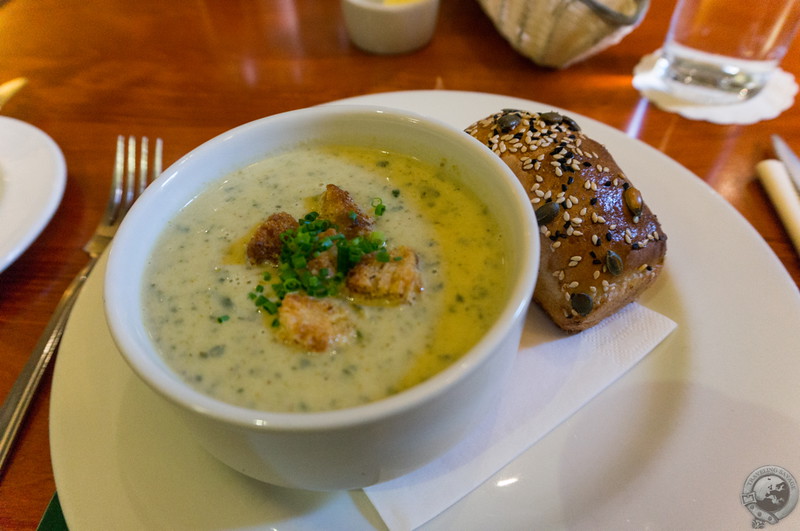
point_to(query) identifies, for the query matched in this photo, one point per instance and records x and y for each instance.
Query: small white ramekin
(390, 28)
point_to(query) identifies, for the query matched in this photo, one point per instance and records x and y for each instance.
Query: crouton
(339, 207)
(397, 280)
(316, 325)
(265, 245)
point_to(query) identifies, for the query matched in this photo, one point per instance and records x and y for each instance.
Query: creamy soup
(200, 315)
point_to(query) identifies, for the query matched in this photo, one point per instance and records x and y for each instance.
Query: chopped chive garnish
(305, 243)
(270, 307)
(299, 262)
(380, 208)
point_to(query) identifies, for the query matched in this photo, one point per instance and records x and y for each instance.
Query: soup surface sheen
(198, 276)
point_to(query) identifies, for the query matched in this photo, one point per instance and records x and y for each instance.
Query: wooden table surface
(187, 71)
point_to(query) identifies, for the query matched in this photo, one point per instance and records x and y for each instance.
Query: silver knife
(789, 159)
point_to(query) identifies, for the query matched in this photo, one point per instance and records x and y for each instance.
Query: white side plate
(33, 175)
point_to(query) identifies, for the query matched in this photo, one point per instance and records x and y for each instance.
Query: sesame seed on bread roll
(601, 245)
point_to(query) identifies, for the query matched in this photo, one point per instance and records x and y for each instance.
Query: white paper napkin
(554, 376)
(777, 96)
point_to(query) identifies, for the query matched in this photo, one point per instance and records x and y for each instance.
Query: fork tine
(143, 154)
(157, 158)
(117, 183)
(131, 175)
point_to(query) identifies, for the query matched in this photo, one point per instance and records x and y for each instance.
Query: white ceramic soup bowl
(347, 448)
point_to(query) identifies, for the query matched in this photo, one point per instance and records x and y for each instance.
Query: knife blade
(9, 88)
(789, 159)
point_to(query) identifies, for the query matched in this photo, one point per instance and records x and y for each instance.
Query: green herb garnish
(380, 208)
(305, 243)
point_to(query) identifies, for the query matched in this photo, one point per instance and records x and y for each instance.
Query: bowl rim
(138, 351)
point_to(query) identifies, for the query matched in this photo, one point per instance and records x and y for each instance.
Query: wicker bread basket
(558, 33)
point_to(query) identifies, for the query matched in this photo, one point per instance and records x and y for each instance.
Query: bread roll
(601, 245)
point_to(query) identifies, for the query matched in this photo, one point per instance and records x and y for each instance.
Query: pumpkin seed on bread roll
(602, 246)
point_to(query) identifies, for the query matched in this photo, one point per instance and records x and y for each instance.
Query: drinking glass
(724, 51)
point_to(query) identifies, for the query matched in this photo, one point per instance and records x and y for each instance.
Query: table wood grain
(189, 70)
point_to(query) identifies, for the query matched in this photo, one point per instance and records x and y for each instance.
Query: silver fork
(128, 182)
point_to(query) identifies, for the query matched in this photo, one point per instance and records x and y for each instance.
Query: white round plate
(33, 175)
(668, 446)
